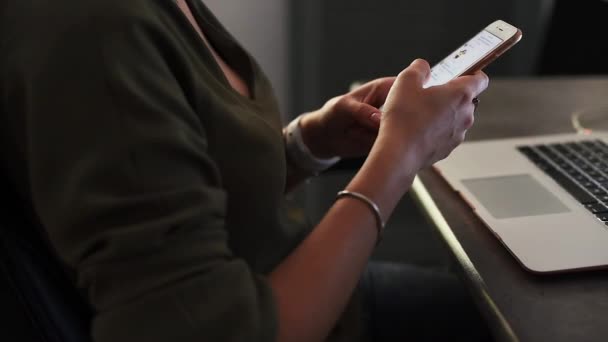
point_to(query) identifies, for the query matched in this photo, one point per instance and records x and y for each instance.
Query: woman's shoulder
(48, 18)
(38, 30)
(121, 11)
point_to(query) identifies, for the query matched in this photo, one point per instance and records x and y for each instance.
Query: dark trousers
(408, 303)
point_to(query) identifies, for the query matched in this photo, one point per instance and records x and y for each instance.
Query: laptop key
(597, 191)
(602, 216)
(574, 189)
(571, 175)
(575, 174)
(531, 154)
(596, 208)
(574, 146)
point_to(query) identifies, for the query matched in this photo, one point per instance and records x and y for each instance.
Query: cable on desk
(577, 115)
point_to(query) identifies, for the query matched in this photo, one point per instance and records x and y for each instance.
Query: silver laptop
(545, 198)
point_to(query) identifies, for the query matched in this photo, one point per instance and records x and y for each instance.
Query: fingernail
(376, 117)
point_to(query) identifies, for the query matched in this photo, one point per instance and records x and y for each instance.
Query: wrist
(384, 177)
(299, 154)
(313, 135)
(398, 163)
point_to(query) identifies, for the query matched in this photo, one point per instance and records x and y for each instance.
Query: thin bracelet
(371, 204)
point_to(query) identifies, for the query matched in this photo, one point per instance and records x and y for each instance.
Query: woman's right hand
(419, 126)
(425, 125)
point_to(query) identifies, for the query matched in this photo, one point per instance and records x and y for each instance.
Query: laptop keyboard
(580, 167)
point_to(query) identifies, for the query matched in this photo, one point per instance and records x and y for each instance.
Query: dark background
(337, 42)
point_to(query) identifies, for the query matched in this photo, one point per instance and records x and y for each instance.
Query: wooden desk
(518, 305)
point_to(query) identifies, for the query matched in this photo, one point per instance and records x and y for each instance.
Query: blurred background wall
(313, 49)
(356, 39)
(262, 28)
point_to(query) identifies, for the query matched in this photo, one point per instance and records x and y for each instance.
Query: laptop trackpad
(514, 196)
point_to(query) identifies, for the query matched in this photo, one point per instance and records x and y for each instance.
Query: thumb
(367, 115)
(419, 70)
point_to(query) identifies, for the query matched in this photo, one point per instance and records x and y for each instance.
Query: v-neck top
(233, 77)
(159, 186)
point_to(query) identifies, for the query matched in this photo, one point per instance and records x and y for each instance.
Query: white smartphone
(475, 54)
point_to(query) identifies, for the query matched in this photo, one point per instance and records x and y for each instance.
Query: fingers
(471, 85)
(464, 121)
(419, 71)
(461, 91)
(368, 116)
(479, 82)
(364, 115)
(375, 92)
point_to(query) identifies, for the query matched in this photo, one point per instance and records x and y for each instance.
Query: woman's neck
(235, 80)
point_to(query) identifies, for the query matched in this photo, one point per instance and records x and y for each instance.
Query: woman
(149, 146)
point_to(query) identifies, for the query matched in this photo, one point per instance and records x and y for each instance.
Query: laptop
(545, 198)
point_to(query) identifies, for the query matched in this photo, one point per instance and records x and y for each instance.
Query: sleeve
(121, 178)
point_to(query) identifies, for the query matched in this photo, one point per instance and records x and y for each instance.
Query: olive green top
(160, 186)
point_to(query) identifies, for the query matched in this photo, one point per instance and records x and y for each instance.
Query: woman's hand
(418, 127)
(347, 125)
(427, 124)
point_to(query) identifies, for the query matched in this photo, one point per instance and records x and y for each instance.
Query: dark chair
(38, 302)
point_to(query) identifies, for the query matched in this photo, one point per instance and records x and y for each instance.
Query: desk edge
(498, 324)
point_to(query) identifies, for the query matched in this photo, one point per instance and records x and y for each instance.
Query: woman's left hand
(347, 125)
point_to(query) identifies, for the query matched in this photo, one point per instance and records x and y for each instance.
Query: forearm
(419, 127)
(313, 285)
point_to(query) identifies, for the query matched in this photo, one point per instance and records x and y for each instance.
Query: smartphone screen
(463, 58)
